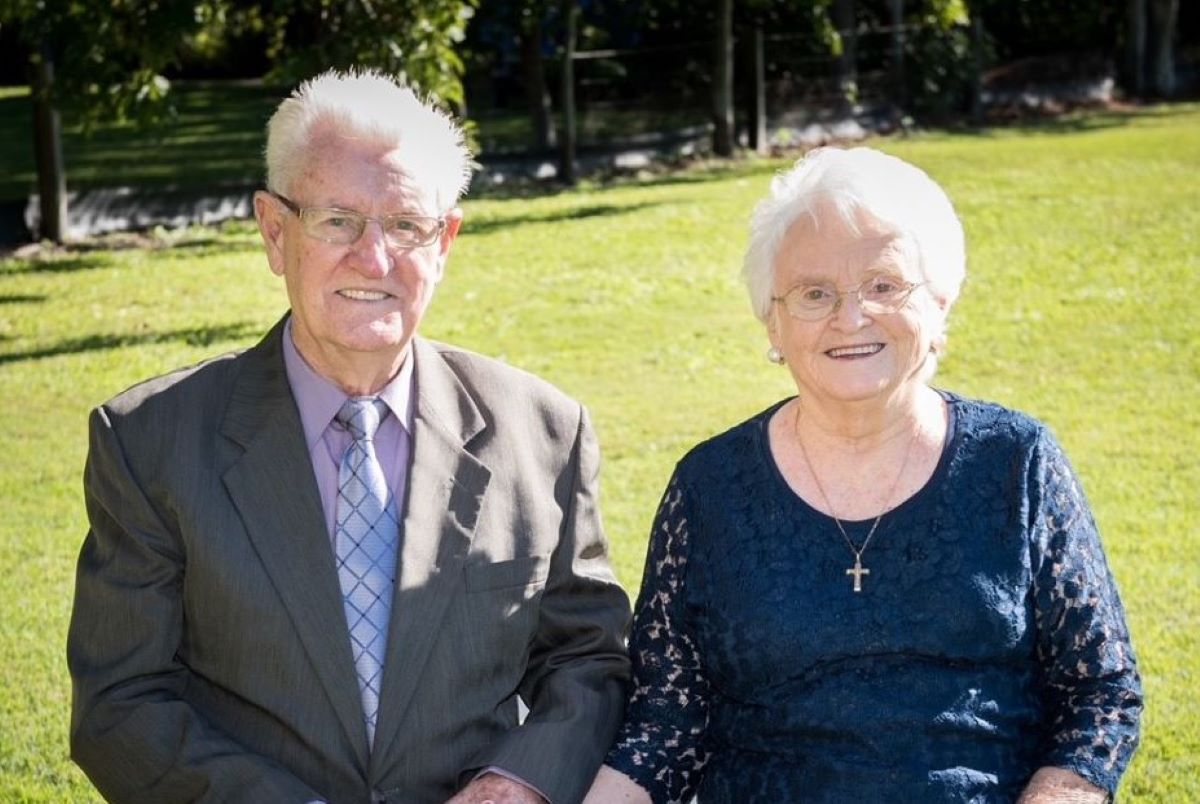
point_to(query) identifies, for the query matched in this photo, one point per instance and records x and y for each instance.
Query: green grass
(218, 133)
(216, 138)
(1080, 307)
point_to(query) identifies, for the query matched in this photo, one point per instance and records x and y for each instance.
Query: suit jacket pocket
(523, 571)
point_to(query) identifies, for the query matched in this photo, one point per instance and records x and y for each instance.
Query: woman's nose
(848, 311)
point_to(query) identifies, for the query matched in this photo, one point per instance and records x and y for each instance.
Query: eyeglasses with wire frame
(345, 226)
(877, 295)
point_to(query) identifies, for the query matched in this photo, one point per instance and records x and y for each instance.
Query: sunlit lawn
(1080, 307)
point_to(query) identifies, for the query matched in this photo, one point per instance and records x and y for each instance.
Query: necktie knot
(361, 416)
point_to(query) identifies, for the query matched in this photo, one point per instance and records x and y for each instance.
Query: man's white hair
(372, 106)
(851, 183)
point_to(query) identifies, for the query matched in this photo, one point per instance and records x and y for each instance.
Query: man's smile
(358, 294)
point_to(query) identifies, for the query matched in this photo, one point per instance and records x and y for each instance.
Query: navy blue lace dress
(987, 641)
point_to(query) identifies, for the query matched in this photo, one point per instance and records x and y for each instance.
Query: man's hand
(492, 788)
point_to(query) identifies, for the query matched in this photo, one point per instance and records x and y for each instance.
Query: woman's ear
(772, 324)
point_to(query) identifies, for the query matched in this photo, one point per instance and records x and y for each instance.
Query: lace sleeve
(660, 745)
(1090, 686)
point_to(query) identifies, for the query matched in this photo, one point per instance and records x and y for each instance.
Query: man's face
(356, 304)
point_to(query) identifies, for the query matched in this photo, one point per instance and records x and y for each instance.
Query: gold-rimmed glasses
(345, 226)
(877, 295)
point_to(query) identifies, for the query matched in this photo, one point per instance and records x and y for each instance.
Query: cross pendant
(858, 570)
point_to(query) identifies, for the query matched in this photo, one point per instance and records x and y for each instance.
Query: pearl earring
(775, 356)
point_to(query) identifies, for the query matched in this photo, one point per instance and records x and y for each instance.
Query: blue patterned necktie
(368, 530)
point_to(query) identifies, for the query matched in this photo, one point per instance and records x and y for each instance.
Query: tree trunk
(537, 96)
(758, 94)
(723, 81)
(899, 85)
(847, 61)
(1135, 47)
(567, 170)
(47, 144)
(1163, 16)
(976, 68)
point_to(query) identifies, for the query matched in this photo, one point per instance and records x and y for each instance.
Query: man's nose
(372, 257)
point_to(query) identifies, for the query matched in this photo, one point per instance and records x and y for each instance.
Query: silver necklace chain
(858, 570)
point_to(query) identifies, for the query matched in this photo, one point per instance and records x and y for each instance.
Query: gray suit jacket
(208, 648)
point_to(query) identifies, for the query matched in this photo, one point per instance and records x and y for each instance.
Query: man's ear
(454, 219)
(270, 216)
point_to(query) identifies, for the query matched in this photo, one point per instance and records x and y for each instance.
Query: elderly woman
(874, 590)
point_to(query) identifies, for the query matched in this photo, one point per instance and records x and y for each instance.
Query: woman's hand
(612, 787)
(1058, 786)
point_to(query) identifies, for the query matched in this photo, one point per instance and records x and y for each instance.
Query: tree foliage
(416, 40)
(108, 55)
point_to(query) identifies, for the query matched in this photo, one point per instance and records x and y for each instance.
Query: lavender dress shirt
(319, 400)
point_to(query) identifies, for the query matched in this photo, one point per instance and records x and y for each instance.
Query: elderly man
(325, 568)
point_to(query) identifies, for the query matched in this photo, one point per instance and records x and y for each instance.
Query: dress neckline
(949, 444)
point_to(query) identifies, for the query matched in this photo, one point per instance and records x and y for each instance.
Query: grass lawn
(217, 137)
(1080, 307)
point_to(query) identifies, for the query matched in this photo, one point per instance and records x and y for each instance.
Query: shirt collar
(319, 399)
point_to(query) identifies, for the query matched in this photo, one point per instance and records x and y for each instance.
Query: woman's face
(851, 354)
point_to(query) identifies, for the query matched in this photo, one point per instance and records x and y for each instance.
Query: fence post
(533, 69)
(1164, 15)
(976, 68)
(1135, 47)
(723, 81)
(899, 84)
(567, 170)
(844, 16)
(758, 118)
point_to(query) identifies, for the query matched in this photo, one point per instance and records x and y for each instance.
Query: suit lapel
(446, 485)
(275, 491)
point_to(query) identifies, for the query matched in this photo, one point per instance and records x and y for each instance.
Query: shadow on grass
(1074, 122)
(77, 256)
(203, 247)
(21, 298)
(216, 134)
(663, 174)
(491, 224)
(68, 265)
(189, 248)
(194, 336)
(738, 167)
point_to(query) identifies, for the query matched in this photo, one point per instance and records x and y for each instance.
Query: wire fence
(629, 95)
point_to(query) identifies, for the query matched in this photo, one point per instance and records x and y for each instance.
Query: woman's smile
(856, 352)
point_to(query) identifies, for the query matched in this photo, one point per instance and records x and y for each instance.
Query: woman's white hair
(372, 106)
(852, 183)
